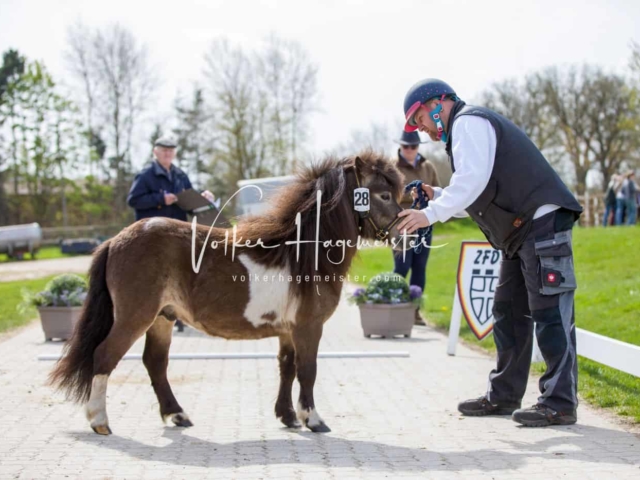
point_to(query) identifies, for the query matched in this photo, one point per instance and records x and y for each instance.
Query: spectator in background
(414, 167)
(626, 206)
(620, 203)
(630, 188)
(610, 201)
(155, 189)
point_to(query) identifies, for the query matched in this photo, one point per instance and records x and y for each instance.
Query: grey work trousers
(537, 286)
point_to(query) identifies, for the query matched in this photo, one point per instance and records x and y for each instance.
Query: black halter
(381, 233)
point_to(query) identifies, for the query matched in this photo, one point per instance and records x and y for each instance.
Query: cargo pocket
(556, 264)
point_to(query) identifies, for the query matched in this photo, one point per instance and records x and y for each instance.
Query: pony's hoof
(102, 430)
(291, 423)
(181, 420)
(289, 419)
(320, 428)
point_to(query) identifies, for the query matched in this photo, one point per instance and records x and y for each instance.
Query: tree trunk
(581, 180)
(4, 204)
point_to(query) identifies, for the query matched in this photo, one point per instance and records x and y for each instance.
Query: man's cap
(166, 141)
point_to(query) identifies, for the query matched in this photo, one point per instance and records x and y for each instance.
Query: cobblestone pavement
(391, 418)
(28, 270)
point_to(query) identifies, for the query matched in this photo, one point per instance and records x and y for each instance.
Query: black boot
(479, 407)
(542, 416)
(419, 320)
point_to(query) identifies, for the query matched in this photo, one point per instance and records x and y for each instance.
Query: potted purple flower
(59, 305)
(387, 305)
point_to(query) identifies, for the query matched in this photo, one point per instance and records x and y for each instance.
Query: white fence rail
(607, 351)
(612, 353)
(247, 355)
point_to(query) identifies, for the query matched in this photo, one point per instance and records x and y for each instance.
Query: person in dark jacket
(504, 183)
(414, 167)
(610, 201)
(154, 189)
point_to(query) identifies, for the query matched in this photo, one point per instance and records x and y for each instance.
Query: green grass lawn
(11, 296)
(52, 251)
(607, 300)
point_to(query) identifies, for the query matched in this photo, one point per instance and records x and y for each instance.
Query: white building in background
(253, 201)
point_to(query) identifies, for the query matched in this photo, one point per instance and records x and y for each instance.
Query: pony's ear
(359, 163)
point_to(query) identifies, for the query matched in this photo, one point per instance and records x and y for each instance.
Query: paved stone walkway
(28, 269)
(391, 418)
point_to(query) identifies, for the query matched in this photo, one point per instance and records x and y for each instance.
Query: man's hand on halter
(413, 220)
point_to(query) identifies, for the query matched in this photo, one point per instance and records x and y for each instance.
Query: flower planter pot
(58, 322)
(387, 320)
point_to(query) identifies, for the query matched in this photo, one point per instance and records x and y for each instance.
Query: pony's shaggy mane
(335, 178)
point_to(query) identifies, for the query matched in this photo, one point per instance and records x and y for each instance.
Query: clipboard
(196, 205)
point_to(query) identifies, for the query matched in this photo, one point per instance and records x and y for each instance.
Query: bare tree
(524, 103)
(13, 65)
(196, 136)
(79, 61)
(634, 61)
(118, 81)
(591, 112)
(288, 78)
(634, 64)
(261, 101)
(240, 113)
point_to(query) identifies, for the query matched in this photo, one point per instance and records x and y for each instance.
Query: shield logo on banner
(478, 272)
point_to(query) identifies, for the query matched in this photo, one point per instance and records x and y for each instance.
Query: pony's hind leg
(306, 339)
(284, 404)
(156, 360)
(124, 332)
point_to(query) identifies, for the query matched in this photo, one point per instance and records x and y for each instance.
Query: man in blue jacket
(155, 188)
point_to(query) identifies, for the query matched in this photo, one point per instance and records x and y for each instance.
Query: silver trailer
(16, 240)
(249, 201)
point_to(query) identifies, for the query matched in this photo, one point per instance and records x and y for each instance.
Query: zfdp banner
(478, 271)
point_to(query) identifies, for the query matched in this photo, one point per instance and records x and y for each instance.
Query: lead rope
(421, 201)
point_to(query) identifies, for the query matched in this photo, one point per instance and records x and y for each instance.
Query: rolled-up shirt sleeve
(474, 151)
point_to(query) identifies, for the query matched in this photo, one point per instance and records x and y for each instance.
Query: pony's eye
(386, 197)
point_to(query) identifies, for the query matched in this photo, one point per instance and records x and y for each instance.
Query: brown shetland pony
(143, 279)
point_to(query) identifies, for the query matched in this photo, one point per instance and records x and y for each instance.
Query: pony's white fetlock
(179, 419)
(311, 419)
(96, 408)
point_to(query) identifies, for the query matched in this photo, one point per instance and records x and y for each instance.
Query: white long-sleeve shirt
(474, 150)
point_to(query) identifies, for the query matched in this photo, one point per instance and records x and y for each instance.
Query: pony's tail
(74, 371)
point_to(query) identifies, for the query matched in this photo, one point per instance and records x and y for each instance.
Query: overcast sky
(369, 52)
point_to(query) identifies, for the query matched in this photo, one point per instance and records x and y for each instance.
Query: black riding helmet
(419, 94)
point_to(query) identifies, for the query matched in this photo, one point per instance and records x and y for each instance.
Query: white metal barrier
(608, 351)
(250, 355)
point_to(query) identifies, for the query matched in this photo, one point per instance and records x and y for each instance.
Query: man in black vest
(504, 183)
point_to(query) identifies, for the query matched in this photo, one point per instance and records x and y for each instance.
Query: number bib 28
(361, 200)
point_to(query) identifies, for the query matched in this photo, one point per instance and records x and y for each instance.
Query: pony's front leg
(306, 339)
